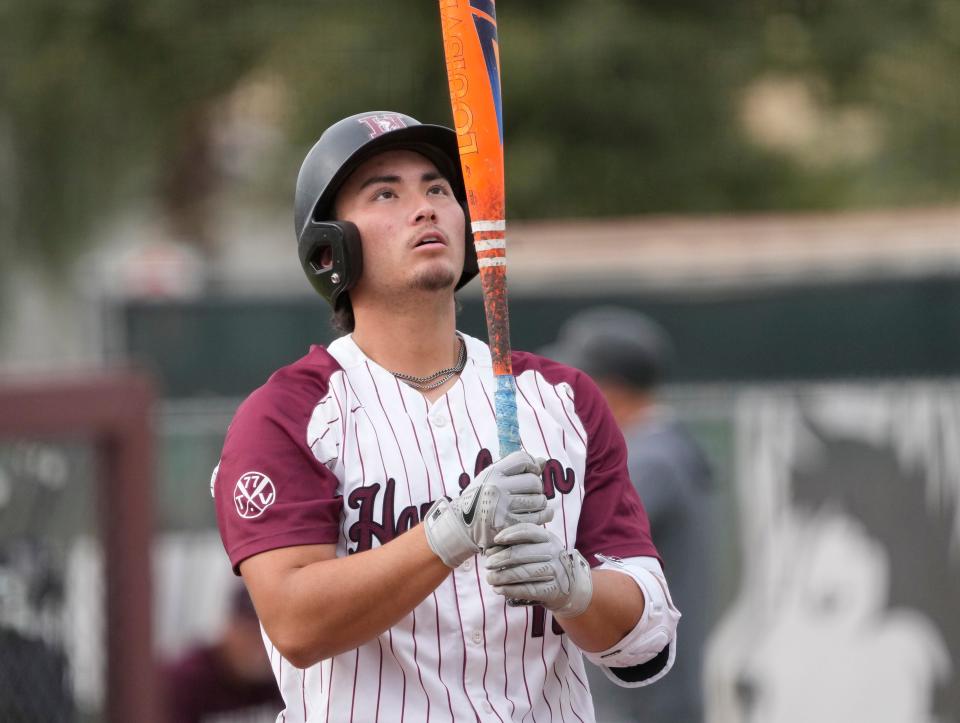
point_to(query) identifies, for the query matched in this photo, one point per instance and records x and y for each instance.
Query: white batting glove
(533, 566)
(505, 493)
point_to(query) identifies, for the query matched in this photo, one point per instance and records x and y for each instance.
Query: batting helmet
(330, 250)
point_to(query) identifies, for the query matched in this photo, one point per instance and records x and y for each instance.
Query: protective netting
(52, 654)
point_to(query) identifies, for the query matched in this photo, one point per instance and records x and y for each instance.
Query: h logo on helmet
(380, 123)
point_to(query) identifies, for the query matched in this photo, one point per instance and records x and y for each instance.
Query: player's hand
(530, 564)
(505, 493)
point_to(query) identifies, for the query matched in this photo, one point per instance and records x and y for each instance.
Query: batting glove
(531, 565)
(506, 493)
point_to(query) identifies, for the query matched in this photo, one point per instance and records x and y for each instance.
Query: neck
(628, 405)
(631, 415)
(415, 339)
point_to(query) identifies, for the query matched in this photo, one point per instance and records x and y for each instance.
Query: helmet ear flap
(331, 256)
(470, 266)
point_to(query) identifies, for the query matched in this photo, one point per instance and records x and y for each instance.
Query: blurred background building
(777, 184)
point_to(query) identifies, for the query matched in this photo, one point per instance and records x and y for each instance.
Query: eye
(384, 193)
(438, 189)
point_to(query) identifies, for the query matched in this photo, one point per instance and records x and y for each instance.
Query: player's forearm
(615, 609)
(327, 607)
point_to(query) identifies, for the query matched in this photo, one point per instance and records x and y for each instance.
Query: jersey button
(487, 708)
(439, 421)
(467, 565)
(477, 637)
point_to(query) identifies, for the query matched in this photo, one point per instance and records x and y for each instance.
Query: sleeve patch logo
(253, 494)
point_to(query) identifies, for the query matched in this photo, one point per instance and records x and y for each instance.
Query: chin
(435, 279)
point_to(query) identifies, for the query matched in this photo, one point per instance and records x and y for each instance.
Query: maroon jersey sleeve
(612, 519)
(269, 488)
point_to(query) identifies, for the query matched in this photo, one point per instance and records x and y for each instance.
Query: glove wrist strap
(581, 587)
(447, 535)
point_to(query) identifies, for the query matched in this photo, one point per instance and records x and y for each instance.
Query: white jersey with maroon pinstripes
(372, 454)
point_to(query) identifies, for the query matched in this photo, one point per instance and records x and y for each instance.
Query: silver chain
(438, 378)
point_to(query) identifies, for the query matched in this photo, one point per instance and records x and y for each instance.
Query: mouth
(431, 238)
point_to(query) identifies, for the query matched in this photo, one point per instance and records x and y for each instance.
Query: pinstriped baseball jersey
(333, 449)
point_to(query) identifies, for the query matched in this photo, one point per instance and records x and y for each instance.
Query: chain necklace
(438, 378)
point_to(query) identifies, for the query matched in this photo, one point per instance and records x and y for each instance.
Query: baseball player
(359, 494)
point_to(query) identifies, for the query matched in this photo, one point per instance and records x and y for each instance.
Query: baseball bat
(472, 57)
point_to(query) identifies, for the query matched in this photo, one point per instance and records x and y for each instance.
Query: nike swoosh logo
(468, 515)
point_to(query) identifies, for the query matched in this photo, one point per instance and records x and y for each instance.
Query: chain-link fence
(51, 593)
(76, 481)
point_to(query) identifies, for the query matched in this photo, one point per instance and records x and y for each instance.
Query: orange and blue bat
(472, 55)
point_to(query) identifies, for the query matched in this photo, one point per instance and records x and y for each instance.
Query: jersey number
(540, 623)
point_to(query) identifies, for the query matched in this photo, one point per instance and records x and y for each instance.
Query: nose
(425, 212)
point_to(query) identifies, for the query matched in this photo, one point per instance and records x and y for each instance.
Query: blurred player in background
(232, 675)
(628, 355)
(329, 469)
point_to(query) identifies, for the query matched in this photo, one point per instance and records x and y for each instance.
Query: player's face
(411, 225)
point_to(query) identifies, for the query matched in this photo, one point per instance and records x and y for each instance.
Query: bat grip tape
(505, 407)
